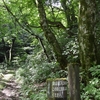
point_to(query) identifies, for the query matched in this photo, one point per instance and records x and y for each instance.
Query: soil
(10, 90)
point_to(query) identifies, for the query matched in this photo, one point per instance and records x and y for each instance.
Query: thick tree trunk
(61, 59)
(87, 22)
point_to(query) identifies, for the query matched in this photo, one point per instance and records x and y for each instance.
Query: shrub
(92, 90)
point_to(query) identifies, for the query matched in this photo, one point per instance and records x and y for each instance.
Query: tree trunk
(4, 48)
(71, 20)
(87, 20)
(61, 59)
(73, 81)
(11, 48)
(10, 53)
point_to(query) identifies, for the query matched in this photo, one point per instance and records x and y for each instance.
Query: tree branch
(8, 9)
(56, 24)
(45, 50)
(61, 59)
(28, 30)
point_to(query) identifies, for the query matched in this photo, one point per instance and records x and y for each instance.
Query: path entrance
(9, 89)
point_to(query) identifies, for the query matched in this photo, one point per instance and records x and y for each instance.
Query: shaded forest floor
(9, 88)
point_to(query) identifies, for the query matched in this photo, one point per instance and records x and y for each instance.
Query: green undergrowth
(92, 90)
(33, 86)
(32, 76)
(33, 80)
(2, 85)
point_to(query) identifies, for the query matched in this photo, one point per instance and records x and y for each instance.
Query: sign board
(57, 89)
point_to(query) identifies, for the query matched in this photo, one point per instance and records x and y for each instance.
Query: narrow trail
(10, 90)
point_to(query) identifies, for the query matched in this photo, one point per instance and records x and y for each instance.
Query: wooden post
(57, 89)
(73, 82)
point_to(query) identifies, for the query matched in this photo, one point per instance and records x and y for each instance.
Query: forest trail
(9, 88)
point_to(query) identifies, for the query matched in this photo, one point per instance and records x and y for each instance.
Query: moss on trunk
(87, 20)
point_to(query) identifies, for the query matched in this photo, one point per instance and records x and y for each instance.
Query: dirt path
(10, 90)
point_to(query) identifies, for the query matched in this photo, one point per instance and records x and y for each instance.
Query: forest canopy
(43, 37)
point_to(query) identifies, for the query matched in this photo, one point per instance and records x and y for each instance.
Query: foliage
(30, 94)
(36, 61)
(35, 71)
(72, 49)
(92, 90)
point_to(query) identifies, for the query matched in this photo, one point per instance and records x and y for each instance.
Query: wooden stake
(73, 82)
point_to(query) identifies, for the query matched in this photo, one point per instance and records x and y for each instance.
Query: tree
(58, 26)
(87, 21)
(51, 37)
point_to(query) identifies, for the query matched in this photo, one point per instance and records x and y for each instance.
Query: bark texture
(61, 59)
(87, 20)
(73, 81)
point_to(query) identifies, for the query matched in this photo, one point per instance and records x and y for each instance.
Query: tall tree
(50, 36)
(51, 19)
(87, 20)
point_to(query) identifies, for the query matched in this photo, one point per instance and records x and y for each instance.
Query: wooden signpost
(73, 82)
(57, 89)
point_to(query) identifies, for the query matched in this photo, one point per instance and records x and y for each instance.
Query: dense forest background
(39, 38)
